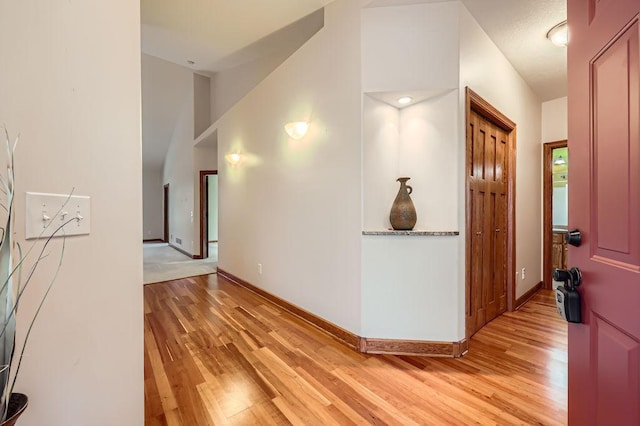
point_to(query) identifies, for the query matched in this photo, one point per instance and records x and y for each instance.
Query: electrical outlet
(260, 268)
(524, 273)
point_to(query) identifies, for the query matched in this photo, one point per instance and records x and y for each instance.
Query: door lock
(567, 297)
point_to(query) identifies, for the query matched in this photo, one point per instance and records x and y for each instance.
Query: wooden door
(487, 148)
(604, 203)
(166, 213)
(204, 212)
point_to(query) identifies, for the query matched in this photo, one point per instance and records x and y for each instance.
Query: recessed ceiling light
(559, 34)
(190, 62)
(405, 100)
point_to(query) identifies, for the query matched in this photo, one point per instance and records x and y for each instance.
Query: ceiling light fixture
(405, 100)
(297, 129)
(560, 161)
(559, 34)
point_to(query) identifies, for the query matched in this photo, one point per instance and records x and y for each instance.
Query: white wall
(409, 288)
(410, 47)
(297, 186)
(201, 104)
(164, 91)
(229, 85)
(178, 172)
(152, 222)
(170, 103)
(554, 120)
(418, 141)
(295, 206)
(380, 162)
(414, 280)
(487, 72)
(80, 127)
(183, 161)
(428, 134)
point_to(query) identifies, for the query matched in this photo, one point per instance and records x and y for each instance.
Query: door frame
(204, 213)
(475, 102)
(165, 202)
(547, 209)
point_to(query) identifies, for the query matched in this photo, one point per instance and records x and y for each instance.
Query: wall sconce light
(233, 159)
(559, 34)
(296, 129)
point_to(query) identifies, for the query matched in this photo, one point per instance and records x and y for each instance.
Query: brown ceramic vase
(403, 213)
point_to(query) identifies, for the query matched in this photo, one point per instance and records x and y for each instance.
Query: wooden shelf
(413, 233)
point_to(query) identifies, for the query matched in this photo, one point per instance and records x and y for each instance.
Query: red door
(604, 203)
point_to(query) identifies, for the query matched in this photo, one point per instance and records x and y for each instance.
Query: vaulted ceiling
(206, 32)
(212, 35)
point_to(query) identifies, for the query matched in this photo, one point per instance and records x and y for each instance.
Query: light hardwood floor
(215, 353)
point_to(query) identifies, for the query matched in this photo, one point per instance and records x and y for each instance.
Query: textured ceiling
(209, 32)
(519, 29)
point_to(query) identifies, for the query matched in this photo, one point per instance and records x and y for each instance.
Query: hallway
(163, 263)
(215, 353)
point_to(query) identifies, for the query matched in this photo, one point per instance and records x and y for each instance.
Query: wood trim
(547, 209)
(360, 344)
(528, 295)
(204, 231)
(511, 225)
(489, 111)
(475, 102)
(182, 251)
(339, 333)
(154, 240)
(414, 347)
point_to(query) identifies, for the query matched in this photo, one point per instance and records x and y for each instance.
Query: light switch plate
(46, 213)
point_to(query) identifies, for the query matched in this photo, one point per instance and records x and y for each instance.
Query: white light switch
(46, 213)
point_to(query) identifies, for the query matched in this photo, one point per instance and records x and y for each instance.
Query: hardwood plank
(216, 353)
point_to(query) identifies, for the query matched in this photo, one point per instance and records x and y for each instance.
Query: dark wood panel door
(604, 203)
(487, 222)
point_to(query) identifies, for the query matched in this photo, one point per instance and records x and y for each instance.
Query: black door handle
(571, 278)
(573, 237)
